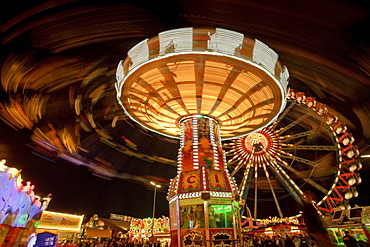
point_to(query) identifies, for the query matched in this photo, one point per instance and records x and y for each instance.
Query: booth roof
(90, 232)
(116, 225)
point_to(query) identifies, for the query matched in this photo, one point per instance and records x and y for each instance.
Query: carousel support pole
(154, 202)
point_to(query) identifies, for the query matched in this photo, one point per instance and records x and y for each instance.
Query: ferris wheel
(306, 153)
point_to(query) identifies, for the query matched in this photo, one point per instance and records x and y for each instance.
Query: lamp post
(154, 201)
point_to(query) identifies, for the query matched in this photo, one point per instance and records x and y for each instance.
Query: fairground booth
(63, 228)
(114, 228)
(154, 230)
(274, 226)
(356, 220)
(126, 229)
(20, 210)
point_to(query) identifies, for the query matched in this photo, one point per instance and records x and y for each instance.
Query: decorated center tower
(202, 85)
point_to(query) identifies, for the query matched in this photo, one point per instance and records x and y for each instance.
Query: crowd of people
(121, 243)
(297, 240)
(112, 243)
(278, 241)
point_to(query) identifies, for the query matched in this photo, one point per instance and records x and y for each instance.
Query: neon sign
(274, 220)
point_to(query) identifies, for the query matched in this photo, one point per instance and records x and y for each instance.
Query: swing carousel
(201, 86)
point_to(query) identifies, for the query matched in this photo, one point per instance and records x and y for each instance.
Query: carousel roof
(212, 72)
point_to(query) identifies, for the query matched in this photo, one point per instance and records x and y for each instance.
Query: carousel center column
(202, 197)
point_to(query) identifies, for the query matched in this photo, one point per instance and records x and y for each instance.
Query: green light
(22, 219)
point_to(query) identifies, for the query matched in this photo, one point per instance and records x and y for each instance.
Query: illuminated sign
(120, 217)
(274, 220)
(219, 200)
(366, 215)
(191, 181)
(59, 221)
(217, 180)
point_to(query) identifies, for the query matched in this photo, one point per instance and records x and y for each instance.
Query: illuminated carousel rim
(277, 85)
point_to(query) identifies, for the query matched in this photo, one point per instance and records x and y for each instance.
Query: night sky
(75, 190)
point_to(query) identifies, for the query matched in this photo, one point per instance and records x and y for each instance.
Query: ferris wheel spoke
(283, 177)
(243, 191)
(273, 191)
(299, 159)
(245, 184)
(299, 135)
(284, 113)
(294, 123)
(312, 147)
(240, 159)
(247, 178)
(255, 193)
(306, 179)
(243, 158)
(291, 186)
(234, 149)
(233, 159)
(237, 168)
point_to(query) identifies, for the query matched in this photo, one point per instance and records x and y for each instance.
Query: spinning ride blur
(201, 85)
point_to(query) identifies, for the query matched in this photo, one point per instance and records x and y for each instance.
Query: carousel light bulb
(352, 181)
(348, 195)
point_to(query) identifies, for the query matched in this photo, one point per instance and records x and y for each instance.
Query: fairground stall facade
(65, 227)
(356, 220)
(20, 208)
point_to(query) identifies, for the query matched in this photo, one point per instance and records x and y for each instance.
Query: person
(316, 232)
(302, 241)
(348, 240)
(257, 241)
(361, 243)
(269, 242)
(280, 242)
(289, 242)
